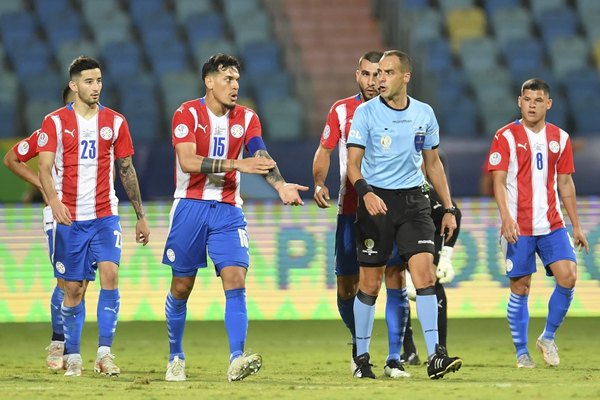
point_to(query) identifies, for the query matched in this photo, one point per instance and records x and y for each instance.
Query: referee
(389, 138)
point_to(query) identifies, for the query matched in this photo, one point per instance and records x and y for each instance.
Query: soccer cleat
(243, 366)
(525, 361)
(394, 369)
(440, 364)
(410, 359)
(55, 360)
(74, 365)
(352, 363)
(363, 367)
(549, 350)
(175, 370)
(105, 365)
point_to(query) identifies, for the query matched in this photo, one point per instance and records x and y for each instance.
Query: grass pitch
(302, 359)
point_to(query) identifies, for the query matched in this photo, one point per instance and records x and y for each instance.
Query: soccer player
(15, 160)
(442, 261)
(390, 136)
(77, 147)
(531, 162)
(209, 136)
(335, 134)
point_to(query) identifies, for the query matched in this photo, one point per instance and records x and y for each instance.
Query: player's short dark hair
(535, 84)
(65, 93)
(371, 56)
(82, 63)
(219, 62)
(405, 61)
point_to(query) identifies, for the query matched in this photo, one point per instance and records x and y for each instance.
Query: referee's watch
(451, 210)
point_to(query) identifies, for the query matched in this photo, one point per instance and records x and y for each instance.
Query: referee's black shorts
(407, 222)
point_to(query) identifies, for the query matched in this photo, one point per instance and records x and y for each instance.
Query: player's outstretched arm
(566, 190)
(321, 163)
(132, 188)
(288, 192)
(192, 163)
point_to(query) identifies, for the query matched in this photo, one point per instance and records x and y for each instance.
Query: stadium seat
(122, 59)
(47, 86)
(426, 25)
(71, 50)
(270, 86)
(465, 24)
(459, 119)
(557, 22)
(438, 56)
(260, 57)
(586, 117)
(478, 54)
(498, 112)
(209, 25)
(61, 27)
(16, 29)
(497, 76)
(144, 11)
(540, 6)
(11, 6)
(568, 54)
(583, 85)
(23, 55)
(9, 87)
(448, 6)
(236, 10)
(254, 29)
(185, 8)
(96, 12)
(115, 28)
(168, 56)
(523, 55)
(512, 23)
(206, 49)
(559, 113)
(36, 110)
(493, 6)
(8, 120)
(283, 119)
(177, 88)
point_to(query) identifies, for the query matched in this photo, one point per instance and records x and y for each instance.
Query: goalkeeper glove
(445, 271)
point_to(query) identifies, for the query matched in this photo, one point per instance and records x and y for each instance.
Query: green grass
(302, 359)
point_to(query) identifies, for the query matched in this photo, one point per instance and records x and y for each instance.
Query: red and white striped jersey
(533, 161)
(26, 149)
(85, 157)
(335, 133)
(215, 137)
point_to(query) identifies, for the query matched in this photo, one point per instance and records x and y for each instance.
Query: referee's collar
(396, 109)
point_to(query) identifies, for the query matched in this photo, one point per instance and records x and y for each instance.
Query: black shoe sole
(453, 367)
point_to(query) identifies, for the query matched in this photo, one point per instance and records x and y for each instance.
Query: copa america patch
(495, 158)
(106, 133)
(171, 255)
(42, 139)
(237, 131)
(60, 267)
(554, 146)
(181, 131)
(23, 148)
(326, 132)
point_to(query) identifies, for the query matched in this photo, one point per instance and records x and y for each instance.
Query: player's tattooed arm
(274, 177)
(215, 166)
(131, 185)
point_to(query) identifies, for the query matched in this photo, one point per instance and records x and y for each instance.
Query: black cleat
(410, 359)
(363, 367)
(440, 364)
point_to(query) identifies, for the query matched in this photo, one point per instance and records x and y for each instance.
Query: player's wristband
(362, 187)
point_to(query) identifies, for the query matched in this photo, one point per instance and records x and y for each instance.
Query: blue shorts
(346, 262)
(90, 274)
(74, 246)
(198, 226)
(520, 257)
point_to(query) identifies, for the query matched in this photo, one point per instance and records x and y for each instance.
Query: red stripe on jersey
(70, 156)
(524, 182)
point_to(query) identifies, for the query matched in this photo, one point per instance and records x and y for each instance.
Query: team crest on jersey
(181, 131)
(60, 267)
(106, 133)
(386, 142)
(554, 146)
(42, 139)
(23, 148)
(509, 265)
(237, 131)
(495, 158)
(171, 255)
(326, 132)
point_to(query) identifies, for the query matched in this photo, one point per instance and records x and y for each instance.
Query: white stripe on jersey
(218, 148)
(342, 113)
(183, 179)
(539, 145)
(511, 177)
(57, 171)
(114, 200)
(87, 171)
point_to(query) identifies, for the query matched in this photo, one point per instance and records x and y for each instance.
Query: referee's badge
(386, 142)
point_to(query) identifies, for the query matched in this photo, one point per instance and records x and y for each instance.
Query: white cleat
(525, 361)
(243, 366)
(74, 365)
(105, 365)
(175, 370)
(55, 360)
(394, 369)
(549, 350)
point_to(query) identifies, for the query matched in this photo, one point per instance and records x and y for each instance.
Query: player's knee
(568, 280)
(347, 290)
(181, 289)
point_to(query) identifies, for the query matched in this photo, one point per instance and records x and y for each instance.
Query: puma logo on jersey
(203, 127)
(523, 145)
(496, 136)
(70, 132)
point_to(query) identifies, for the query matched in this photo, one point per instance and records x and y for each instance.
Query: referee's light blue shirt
(391, 159)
